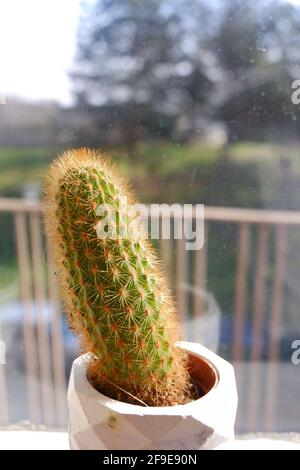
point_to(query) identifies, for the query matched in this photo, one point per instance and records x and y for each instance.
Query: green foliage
(20, 166)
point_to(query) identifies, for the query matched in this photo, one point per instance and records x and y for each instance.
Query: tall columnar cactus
(115, 294)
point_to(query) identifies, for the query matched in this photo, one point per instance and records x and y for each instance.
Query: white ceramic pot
(98, 422)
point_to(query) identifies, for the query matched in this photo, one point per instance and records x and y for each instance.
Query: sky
(37, 47)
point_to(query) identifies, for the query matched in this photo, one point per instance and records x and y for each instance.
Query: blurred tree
(258, 51)
(152, 68)
(139, 69)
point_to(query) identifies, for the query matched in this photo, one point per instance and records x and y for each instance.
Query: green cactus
(115, 294)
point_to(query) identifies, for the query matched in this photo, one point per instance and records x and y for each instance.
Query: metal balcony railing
(44, 348)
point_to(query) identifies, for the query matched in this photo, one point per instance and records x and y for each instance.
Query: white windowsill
(48, 440)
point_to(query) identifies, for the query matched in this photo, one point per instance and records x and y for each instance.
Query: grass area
(252, 176)
(26, 166)
(8, 274)
(20, 166)
(9, 286)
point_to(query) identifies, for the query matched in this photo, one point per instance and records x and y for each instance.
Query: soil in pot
(204, 378)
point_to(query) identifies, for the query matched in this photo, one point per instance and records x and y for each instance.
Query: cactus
(115, 294)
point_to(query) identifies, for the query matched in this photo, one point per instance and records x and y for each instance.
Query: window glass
(198, 103)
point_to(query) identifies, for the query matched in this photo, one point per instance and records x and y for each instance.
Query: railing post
(275, 324)
(258, 323)
(166, 255)
(41, 319)
(4, 418)
(240, 296)
(181, 279)
(28, 332)
(200, 287)
(58, 355)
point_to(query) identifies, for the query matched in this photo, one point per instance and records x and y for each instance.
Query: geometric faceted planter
(97, 422)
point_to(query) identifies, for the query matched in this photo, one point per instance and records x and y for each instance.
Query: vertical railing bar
(165, 250)
(240, 298)
(28, 332)
(58, 355)
(4, 417)
(41, 318)
(181, 279)
(275, 324)
(240, 306)
(277, 294)
(259, 293)
(200, 287)
(258, 322)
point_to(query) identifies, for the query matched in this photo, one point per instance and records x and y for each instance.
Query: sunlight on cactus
(115, 294)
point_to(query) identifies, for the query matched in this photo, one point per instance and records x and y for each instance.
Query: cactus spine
(115, 294)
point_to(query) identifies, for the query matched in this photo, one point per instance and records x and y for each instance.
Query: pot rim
(213, 360)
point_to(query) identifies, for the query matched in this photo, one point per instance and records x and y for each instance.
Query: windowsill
(48, 440)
